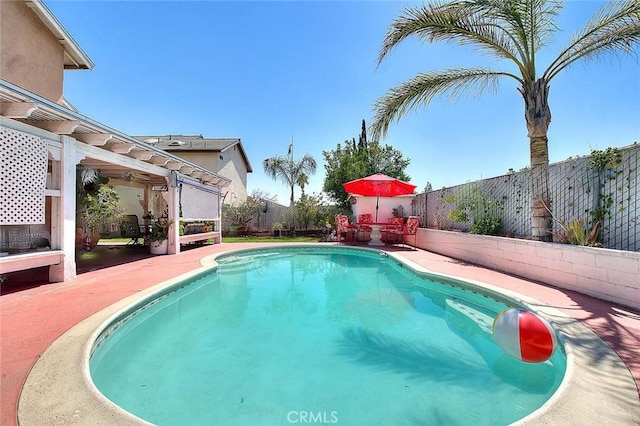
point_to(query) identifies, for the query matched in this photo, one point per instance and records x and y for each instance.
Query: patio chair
(363, 218)
(129, 228)
(393, 230)
(344, 231)
(411, 228)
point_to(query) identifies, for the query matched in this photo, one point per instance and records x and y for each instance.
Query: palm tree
(290, 171)
(514, 30)
(302, 181)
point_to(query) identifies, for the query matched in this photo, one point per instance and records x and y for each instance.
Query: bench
(194, 232)
(202, 236)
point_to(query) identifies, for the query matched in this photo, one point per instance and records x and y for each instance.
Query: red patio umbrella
(379, 185)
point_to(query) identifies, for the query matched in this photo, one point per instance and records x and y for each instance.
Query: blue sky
(270, 71)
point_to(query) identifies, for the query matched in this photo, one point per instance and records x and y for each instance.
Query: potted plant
(159, 236)
(98, 210)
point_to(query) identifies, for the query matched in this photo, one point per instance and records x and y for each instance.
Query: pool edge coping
(55, 373)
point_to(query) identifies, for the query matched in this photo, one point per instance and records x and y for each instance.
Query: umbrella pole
(377, 200)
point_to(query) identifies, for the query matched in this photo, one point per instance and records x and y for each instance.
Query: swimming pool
(336, 335)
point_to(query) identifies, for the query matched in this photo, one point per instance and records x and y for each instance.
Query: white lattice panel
(23, 176)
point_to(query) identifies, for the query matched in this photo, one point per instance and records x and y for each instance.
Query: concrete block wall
(612, 275)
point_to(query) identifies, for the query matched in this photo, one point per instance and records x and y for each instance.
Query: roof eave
(64, 113)
(75, 57)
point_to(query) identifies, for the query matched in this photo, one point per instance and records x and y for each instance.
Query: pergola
(71, 139)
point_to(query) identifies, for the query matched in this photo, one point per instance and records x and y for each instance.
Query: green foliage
(310, 211)
(350, 161)
(245, 212)
(605, 162)
(160, 229)
(240, 214)
(101, 208)
(470, 204)
(458, 214)
(290, 171)
(608, 159)
(575, 232)
(398, 211)
(488, 225)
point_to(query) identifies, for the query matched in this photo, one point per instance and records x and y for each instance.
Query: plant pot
(159, 247)
(86, 242)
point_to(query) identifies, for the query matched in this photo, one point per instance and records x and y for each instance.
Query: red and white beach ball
(524, 335)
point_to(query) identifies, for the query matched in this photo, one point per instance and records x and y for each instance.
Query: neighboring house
(43, 140)
(225, 156)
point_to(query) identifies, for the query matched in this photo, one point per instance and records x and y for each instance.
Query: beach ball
(524, 335)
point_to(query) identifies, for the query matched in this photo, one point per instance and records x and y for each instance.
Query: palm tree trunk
(540, 203)
(538, 117)
(291, 198)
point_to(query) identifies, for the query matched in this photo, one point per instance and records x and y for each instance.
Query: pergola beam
(186, 170)
(110, 157)
(18, 109)
(120, 148)
(59, 127)
(94, 139)
(140, 154)
(174, 165)
(159, 160)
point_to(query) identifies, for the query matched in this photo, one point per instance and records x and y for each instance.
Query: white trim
(72, 49)
(19, 262)
(96, 153)
(51, 138)
(216, 235)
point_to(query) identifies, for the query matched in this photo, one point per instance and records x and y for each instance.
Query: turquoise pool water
(322, 336)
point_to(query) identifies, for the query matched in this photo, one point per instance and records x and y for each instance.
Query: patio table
(376, 235)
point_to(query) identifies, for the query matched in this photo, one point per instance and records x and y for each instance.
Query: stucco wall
(385, 206)
(207, 159)
(232, 166)
(603, 273)
(31, 56)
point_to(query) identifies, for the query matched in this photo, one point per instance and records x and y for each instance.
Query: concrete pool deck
(33, 319)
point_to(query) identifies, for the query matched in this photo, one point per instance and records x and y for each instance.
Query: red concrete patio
(32, 318)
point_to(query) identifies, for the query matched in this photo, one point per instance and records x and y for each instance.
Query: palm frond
(538, 20)
(306, 165)
(425, 86)
(89, 176)
(464, 22)
(278, 168)
(614, 28)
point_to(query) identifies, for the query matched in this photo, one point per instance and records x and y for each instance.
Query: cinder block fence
(612, 275)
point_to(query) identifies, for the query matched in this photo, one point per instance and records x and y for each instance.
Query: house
(226, 156)
(43, 140)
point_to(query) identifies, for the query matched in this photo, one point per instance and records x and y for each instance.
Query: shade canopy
(379, 185)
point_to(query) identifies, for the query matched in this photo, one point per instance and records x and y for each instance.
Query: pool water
(329, 336)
